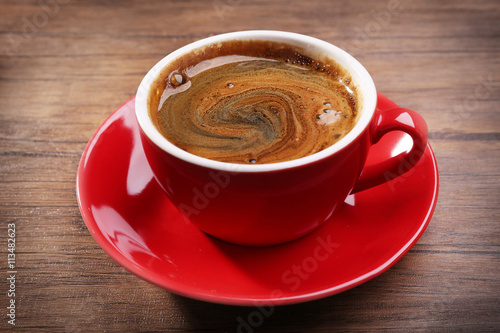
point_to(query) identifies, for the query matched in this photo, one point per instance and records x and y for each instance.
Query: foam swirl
(255, 111)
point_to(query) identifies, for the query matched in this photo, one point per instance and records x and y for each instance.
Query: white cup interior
(314, 47)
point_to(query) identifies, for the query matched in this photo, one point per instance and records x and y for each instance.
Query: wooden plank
(65, 67)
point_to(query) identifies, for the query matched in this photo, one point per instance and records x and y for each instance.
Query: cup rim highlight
(359, 74)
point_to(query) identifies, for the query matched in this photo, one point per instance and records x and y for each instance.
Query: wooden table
(65, 65)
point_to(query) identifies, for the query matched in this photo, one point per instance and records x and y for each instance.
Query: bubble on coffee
(259, 105)
(177, 79)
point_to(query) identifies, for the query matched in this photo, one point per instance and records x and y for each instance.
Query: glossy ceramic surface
(133, 221)
(267, 204)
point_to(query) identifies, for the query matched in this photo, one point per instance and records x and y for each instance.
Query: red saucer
(135, 223)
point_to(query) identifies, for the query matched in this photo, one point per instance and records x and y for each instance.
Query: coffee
(253, 102)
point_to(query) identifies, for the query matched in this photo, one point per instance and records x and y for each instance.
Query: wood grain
(63, 72)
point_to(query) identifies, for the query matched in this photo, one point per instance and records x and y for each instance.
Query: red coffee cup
(269, 204)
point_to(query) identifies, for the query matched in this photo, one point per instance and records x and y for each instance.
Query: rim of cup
(313, 46)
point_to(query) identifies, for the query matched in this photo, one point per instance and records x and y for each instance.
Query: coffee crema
(253, 102)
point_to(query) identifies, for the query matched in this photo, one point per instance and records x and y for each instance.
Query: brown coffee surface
(253, 109)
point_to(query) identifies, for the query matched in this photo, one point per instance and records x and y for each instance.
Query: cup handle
(397, 119)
